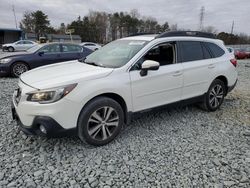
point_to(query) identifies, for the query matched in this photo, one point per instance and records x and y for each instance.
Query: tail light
(234, 62)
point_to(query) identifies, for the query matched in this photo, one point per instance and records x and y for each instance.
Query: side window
(216, 50)
(52, 48)
(20, 42)
(89, 44)
(206, 53)
(71, 48)
(162, 53)
(27, 42)
(191, 51)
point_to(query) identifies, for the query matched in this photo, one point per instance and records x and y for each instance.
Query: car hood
(7, 44)
(12, 54)
(62, 74)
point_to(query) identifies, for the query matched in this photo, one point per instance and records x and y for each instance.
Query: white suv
(93, 98)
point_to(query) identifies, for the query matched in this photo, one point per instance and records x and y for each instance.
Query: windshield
(34, 48)
(115, 54)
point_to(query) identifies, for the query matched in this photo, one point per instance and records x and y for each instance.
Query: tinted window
(20, 42)
(52, 48)
(206, 52)
(191, 51)
(27, 42)
(71, 48)
(89, 44)
(216, 50)
(163, 53)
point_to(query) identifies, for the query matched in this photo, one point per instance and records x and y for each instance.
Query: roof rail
(138, 34)
(186, 33)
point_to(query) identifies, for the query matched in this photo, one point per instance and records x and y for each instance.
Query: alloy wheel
(216, 96)
(19, 69)
(102, 123)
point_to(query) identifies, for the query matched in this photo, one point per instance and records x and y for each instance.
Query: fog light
(42, 129)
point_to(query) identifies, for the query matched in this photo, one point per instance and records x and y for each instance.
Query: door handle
(211, 66)
(177, 73)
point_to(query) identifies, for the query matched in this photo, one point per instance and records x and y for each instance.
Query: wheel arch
(20, 61)
(11, 47)
(224, 80)
(118, 98)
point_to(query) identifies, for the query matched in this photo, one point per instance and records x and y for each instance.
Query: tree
(165, 27)
(27, 23)
(36, 22)
(41, 22)
(209, 29)
(62, 28)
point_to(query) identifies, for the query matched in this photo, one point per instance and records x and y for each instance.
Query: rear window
(191, 51)
(216, 50)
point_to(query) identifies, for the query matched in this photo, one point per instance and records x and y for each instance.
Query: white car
(231, 51)
(94, 98)
(20, 45)
(91, 45)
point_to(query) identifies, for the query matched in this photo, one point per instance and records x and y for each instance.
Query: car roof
(141, 37)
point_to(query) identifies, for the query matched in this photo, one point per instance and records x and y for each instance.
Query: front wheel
(100, 121)
(214, 96)
(18, 68)
(11, 49)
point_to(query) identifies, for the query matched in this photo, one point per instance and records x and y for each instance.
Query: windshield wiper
(93, 63)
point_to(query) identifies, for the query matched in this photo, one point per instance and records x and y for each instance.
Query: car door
(27, 44)
(157, 87)
(49, 54)
(71, 52)
(197, 66)
(19, 46)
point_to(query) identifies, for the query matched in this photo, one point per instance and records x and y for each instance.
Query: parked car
(15, 64)
(248, 52)
(240, 53)
(20, 45)
(231, 51)
(91, 45)
(94, 98)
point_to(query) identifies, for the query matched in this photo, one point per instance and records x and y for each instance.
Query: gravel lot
(184, 147)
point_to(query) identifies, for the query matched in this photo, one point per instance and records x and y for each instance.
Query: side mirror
(149, 65)
(41, 53)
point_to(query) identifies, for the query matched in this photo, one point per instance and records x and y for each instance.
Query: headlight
(6, 60)
(50, 95)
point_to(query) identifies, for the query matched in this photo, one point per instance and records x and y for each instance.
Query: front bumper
(53, 129)
(5, 48)
(4, 70)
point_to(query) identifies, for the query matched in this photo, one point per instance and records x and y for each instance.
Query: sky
(185, 13)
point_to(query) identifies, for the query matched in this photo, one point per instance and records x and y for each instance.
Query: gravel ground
(184, 147)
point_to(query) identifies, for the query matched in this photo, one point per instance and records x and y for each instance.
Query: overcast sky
(218, 13)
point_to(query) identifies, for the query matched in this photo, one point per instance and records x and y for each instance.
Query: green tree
(41, 22)
(36, 22)
(27, 23)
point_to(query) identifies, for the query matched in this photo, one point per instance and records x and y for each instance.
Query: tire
(11, 49)
(18, 68)
(93, 121)
(214, 96)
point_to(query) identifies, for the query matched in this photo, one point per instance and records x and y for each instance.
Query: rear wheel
(100, 121)
(11, 49)
(214, 96)
(18, 68)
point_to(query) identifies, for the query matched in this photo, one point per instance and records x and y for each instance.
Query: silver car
(20, 45)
